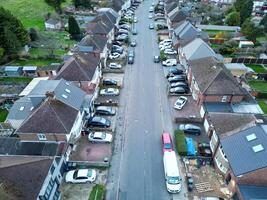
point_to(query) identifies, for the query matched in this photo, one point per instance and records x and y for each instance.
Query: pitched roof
(80, 67)
(197, 49)
(234, 121)
(169, 7)
(97, 28)
(62, 90)
(252, 192)
(213, 78)
(13, 146)
(177, 16)
(52, 116)
(246, 150)
(23, 177)
(96, 42)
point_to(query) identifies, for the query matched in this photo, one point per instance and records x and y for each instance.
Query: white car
(114, 66)
(151, 9)
(135, 20)
(165, 46)
(150, 16)
(100, 137)
(114, 55)
(169, 62)
(109, 92)
(170, 51)
(81, 176)
(180, 102)
(166, 41)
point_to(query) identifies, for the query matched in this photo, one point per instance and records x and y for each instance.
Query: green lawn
(216, 31)
(35, 62)
(263, 106)
(35, 52)
(30, 12)
(215, 46)
(262, 38)
(15, 79)
(256, 68)
(3, 115)
(260, 86)
(98, 192)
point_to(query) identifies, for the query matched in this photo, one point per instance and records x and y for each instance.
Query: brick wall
(49, 137)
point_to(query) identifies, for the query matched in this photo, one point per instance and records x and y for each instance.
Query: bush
(162, 56)
(98, 192)
(180, 142)
(262, 95)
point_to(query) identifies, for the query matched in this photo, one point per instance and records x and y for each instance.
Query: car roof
(166, 138)
(82, 172)
(98, 134)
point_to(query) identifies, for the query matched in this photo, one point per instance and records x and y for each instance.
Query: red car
(166, 142)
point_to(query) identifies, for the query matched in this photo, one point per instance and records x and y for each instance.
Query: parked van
(172, 173)
(166, 142)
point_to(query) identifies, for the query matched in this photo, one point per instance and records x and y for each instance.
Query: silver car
(109, 92)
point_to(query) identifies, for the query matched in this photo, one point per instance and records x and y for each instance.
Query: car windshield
(103, 120)
(173, 180)
(103, 136)
(75, 174)
(167, 146)
(89, 173)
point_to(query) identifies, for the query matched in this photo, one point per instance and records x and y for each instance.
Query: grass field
(260, 86)
(215, 46)
(35, 62)
(263, 106)
(30, 12)
(256, 68)
(3, 115)
(15, 79)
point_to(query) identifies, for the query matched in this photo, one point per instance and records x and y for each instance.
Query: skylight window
(64, 96)
(257, 148)
(251, 137)
(67, 83)
(21, 108)
(67, 90)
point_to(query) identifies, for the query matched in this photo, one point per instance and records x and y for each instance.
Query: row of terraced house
(232, 118)
(44, 124)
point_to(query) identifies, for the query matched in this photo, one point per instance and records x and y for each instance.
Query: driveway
(137, 169)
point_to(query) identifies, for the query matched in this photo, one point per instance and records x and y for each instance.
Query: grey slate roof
(62, 90)
(213, 78)
(234, 121)
(97, 28)
(96, 42)
(178, 16)
(52, 116)
(13, 146)
(240, 154)
(169, 7)
(23, 177)
(197, 49)
(251, 192)
(80, 67)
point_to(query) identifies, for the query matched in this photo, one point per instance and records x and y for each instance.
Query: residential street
(137, 166)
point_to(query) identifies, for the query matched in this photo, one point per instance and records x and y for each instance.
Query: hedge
(180, 142)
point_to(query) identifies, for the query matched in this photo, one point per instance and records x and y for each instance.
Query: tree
(250, 30)
(233, 19)
(74, 28)
(56, 4)
(264, 23)
(12, 33)
(83, 3)
(33, 34)
(245, 8)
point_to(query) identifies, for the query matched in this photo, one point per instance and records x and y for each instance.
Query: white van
(172, 173)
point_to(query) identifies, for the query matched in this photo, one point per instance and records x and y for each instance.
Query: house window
(41, 136)
(52, 169)
(224, 98)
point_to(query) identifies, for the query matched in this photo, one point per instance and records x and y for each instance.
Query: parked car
(190, 182)
(180, 102)
(211, 198)
(81, 176)
(179, 84)
(118, 43)
(177, 90)
(130, 60)
(162, 47)
(131, 53)
(98, 122)
(109, 81)
(151, 9)
(134, 31)
(105, 110)
(169, 62)
(123, 31)
(170, 52)
(109, 92)
(150, 16)
(117, 49)
(114, 55)
(121, 37)
(125, 26)
(190, 129)
(175, 73)
(166, 142)
(135, 20)
(151, 26)
(156, 59)
(114, 66)
(166, 41)
(101, 137)
(204, 150)
(176, 78)
(133, 43)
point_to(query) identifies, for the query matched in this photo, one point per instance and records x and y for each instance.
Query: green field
(15, 79)
(3, 114)
(260, 86)
(256, 68)
(263, 105)
(215, 46)
(30, 12)
(35, 62)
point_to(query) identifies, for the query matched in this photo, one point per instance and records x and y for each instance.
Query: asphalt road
(136, 168)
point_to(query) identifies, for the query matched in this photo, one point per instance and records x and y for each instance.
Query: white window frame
(41, 137)
(224, 98)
